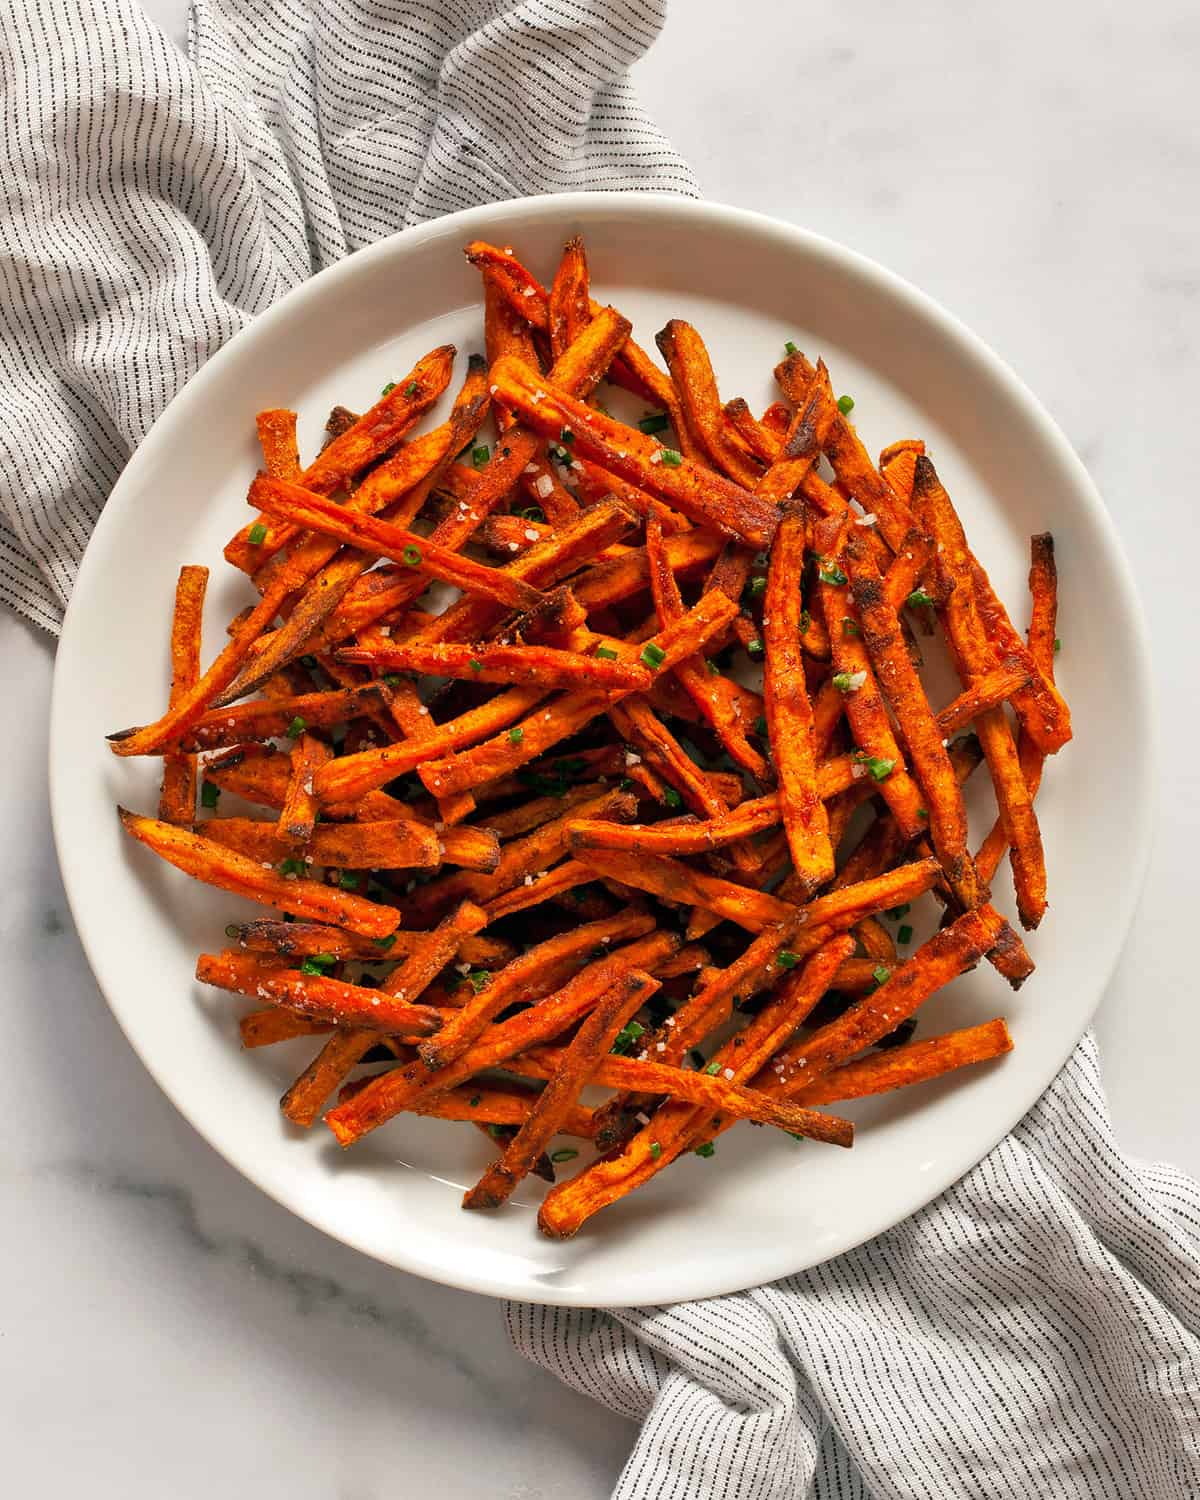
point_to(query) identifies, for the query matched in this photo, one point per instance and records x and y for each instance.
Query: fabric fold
(1033, 1331)
(152, 205)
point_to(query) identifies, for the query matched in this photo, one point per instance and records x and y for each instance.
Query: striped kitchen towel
(151, 205)
(1033, 1334)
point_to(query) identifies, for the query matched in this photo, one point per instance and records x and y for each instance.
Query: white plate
(765, 1205)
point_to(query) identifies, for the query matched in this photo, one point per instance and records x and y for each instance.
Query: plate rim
(459, 1274)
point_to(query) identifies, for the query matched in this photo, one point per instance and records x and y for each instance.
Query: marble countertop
(164, 1328)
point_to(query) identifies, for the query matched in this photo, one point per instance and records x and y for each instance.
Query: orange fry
(277, 439)
(538, 665)
(316, 996)
(916, 1062)
(789, 713)
(278, 497)
(303, 939)
(700, 494)
(583, 1053)
(208, 861)
(303, 1101)
(298, 815)
(540, 731)
(177, 799)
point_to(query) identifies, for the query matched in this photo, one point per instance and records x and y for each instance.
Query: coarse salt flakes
(464, 968)
(385, 630)
(642, 1117)
(543, 485)
(493, 389)
(728, 1073)
(530, 469)
(631, 759)
(423, 711)
(527, 291)
(868, 520)
(531, 535)
(656, 457)
(660, 1046)
(514, 546)
(529, 880)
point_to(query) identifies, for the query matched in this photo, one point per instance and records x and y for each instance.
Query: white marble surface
(164, 1329)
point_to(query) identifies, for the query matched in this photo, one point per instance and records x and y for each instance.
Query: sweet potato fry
(692, 373)
(208, 861)
(580, 1058)
(263, 1028)
(923, 735)
(151, 739)
(852, 464)
(946, 955)
(316, 996)
(917, 1062)
(396, 845)
(973, 656)
(506, 986)
(351, 776)
(854, 677)
(298, 815)
(177, 799)
(277, 438)
(608, 583)
(678, 1125)
(320, 616)
(270, 718)
(672, 881)
(789, 713)
(802, 443)
(395, 1091)
(637, 723)
(303, 1101)
(568, 309)
(544, 564)
(715, 1094)
(540, 665)
(1040, 706)
(303, 939)
(549, 884)
(1043, 586)
(700, 494)
(496, 1103)
(373, 434)
(566, 715)
(370, 533)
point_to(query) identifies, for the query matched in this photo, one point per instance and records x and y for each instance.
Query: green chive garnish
(672, 798)
(292, 866)
(209, 794)
(516, 735)
(881, 973)
(1057, 645)
(384, 943)
(411, 556)
(878, 767)
(653, 656)
(755, 647)
(917, 598)
(474, 1100)
(392, 679)
(904, 934)
(789, 347)
(829, 572)
(606, 654)
(627, 1036)
(845, 405)
(758, 586)
(786, 960)
(296, 728)
(480, 455)
(708, 1149)
(805, 621)
(655, 1150)
(411, 388)
(672, 457)
(655, 421)
(713, 1069)
(232, 930)
(388, 389)
(257, 534)
(564, 1153)
(348, 880)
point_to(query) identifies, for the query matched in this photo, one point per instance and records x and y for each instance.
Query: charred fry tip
(121, 734)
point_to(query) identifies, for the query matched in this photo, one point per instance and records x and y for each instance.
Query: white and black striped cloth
(1034, 1332)
(150, 205)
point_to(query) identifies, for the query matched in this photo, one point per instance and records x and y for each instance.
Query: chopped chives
(672, 457)
(516, 735)
(480, 455)
(209, 795)
(564, 1153)
(653, 656)
(706, 1150)
(606, 654)
(789, 347)
(411, 556)
(786, 960)
(672, 798)
(655, 1150)
(388, 389)
(845, 405)
(904, 934)
(296, 728)
(655, 421)
(917, 598)
(348, 880)
(257, 534)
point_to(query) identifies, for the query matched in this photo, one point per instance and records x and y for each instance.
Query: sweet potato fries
(645, 807)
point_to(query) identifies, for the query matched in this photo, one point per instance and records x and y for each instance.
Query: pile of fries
(548, 838)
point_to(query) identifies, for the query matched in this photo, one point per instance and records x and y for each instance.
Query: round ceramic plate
(765, 1205)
